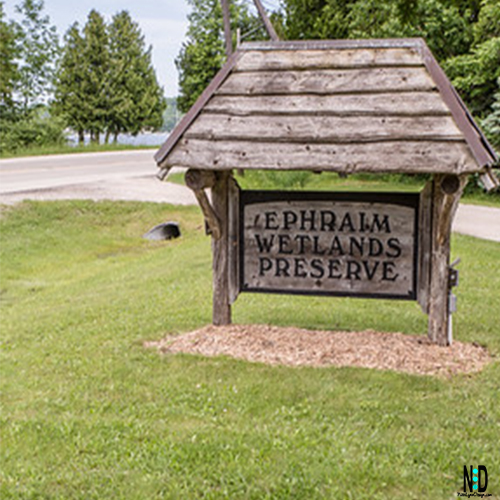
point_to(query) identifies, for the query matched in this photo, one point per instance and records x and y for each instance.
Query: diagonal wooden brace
(198, 181)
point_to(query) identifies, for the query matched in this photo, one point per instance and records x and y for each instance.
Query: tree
(106, 81)
(445, 29)
(491, 123)
(9, 74)
(96, 86)
(476, 73)
(28, 51)
(204, 52)
(39, 49)
(137, 101)
(70, 83)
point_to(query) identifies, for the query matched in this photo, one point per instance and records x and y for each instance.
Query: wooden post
(227, 27)
(267, 23)
(445, 197)
(425, 245)
(221, 312)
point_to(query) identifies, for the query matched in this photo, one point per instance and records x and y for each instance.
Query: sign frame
(405, 199)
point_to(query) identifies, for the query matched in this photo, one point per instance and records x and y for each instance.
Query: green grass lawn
(67, 149)
(329, 181)
(88, 413)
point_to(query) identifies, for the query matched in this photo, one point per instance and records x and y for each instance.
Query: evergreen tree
(106, 81)
(204, 52)
(39, 49)
(96, 83)
(70, 84)
(137, 101)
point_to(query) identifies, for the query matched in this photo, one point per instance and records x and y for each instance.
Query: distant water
(146, 139)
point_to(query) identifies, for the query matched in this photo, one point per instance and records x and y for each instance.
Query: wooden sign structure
(341, 106)
(320, 243)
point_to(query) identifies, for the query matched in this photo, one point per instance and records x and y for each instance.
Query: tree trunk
(81, 137)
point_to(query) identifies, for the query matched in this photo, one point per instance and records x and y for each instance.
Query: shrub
(39, 131)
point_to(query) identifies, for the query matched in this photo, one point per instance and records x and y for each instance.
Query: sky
(163, 23)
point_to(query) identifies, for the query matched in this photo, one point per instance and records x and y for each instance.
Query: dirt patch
(298, 347)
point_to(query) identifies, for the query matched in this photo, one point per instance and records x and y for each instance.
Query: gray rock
(164, 231)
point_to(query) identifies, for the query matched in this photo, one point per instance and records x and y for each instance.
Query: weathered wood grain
(443, 210)
(330, 247)
(424, 247)
(259, 60)
(408, 157)
(199, 179)
(398, 104)
(221, 309)
(321, 129)
(213, 223)
(233, 239)
(328, 81)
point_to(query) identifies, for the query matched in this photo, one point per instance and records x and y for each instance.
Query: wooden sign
(323, 243)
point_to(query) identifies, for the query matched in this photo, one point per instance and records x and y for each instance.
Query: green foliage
(70, 91)
(106, 82)
(66, 149)
(39, 50)
(274, 179)
(491, 123)
(137, 101)
(203, 54)
(28, 52)
(462, 34)
(89, 413)
(38, 130)
(9, 73)
(96, 60)
(475, 75)
(447, 30)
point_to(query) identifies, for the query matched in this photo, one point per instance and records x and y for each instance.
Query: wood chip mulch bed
(298, 347)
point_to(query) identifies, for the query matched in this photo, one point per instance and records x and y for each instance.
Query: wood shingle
(344, 106)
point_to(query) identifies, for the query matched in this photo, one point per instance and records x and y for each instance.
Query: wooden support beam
(446, 193)
(267, 23)
(227, 27)
(233, 239)
(198, 181)
(221, 312)
(424, 244)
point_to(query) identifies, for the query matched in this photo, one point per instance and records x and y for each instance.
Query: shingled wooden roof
(343, 105)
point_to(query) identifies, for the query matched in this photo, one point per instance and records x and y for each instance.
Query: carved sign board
(323, 243)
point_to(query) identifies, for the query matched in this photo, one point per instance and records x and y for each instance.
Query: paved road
(479, 221)
(40, 172)
(117, 175)
(130, 175)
